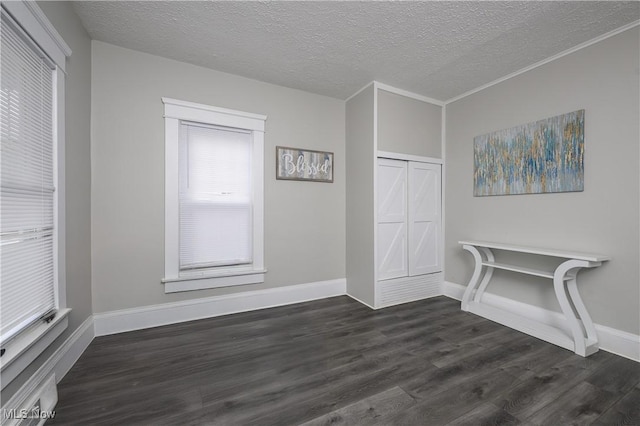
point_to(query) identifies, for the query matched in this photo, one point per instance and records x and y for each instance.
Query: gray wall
(602, 79)
(304, 221)
(360, 201)
(78, 176)
(408, 126)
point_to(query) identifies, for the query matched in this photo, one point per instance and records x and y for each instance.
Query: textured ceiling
(436, 49)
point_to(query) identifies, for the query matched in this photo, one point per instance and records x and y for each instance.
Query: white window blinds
(26, 183)
(215, 196)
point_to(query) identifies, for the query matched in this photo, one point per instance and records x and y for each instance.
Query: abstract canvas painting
(543, 156)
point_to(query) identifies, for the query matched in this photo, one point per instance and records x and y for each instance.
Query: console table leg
(589, 328)
(475, 278)
(487, 274)
(570, 268)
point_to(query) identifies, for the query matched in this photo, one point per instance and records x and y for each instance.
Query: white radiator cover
(408, 289)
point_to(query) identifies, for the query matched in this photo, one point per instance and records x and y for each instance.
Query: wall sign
(304, 164)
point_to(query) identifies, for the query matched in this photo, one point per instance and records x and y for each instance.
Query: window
(32, 293)
(213, 197)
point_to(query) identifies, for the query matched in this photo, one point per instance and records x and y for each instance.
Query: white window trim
(174, 280)
(27, 346)
(33, 20)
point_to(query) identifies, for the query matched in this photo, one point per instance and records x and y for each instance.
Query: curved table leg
(587, 323)
(568, 271)
(487, 274)
(475, 278)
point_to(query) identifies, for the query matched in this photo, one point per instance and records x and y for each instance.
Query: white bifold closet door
(392, 219)
(424, 218)
(409, 204)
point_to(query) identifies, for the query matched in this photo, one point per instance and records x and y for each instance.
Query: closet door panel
(424, 189)
(392, 252)
(424, 249)
(392, 191)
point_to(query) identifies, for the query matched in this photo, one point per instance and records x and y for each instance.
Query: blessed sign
(304, 164)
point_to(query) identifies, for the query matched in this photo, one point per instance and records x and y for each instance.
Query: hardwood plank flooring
(335, 361)
(374, 410)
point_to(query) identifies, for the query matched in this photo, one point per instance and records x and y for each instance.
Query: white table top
(590, 257)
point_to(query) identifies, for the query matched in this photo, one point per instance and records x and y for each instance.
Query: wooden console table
(583, 341)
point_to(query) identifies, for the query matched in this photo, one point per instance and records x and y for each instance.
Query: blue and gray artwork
(544, 156)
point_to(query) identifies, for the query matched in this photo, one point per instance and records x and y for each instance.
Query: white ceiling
(436, 49)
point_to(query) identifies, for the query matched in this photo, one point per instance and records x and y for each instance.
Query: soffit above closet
(436, 49)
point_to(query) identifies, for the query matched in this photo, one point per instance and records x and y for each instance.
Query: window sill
(227, 278)
(29, 345)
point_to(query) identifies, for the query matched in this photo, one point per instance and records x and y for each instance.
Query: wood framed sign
(304, 164)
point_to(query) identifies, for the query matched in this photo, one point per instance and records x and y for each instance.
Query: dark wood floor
(335, 361)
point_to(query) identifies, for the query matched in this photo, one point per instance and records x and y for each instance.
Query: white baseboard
(171, 313)
(360, 301)
(619, 342)
(611, 340)
(452, 290)
(59, 363)
(73, 347)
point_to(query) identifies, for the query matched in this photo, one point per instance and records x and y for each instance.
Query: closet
(393, 196)
(408, 233)
(408, 230)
